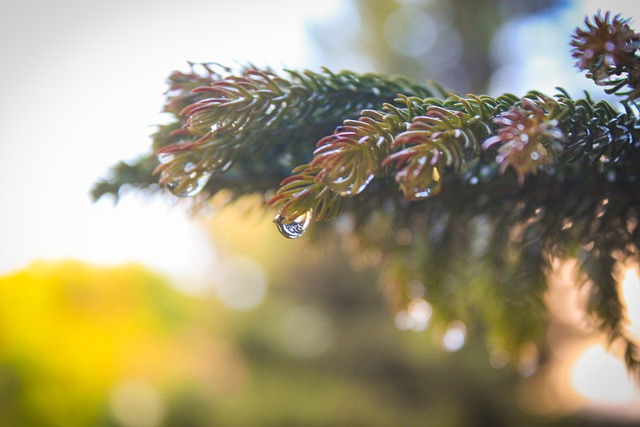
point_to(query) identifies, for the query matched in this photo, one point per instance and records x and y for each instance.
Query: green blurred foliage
(83, 345)
(322, 350)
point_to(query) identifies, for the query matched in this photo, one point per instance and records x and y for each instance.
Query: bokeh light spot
(137, 404)
(455, 336)
(307, 331)
(241, 283)
(498, 358)
(410, 31)
(601, 377)
(416, 317)
(631, 298)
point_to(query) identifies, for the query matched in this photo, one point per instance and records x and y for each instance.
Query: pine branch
(471, 196)
(248, 114)
(139, 174)
(448, 136)
(459, 136)
(346, 161)
(211, 135)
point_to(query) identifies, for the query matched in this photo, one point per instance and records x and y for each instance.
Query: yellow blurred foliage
(71, 335)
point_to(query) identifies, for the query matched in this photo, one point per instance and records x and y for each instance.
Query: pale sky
(82, 86)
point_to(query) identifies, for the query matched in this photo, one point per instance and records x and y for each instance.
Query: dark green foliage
(471, 196)
(138, 175)
(608, 50)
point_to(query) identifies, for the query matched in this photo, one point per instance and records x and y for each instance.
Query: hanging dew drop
(431, 189)
(187, 185)
(425, 193)
(422, 193)
(292, 229)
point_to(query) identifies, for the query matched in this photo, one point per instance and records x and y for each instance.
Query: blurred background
(141, 315)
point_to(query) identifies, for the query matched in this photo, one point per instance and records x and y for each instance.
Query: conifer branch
(345, 162)
(447, 137)
(486, 191)
(244, 116)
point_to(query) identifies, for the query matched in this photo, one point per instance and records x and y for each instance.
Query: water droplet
(187, 184)
(473, 180)
(535, 156)
(351, 190)
(433, 187)
(424, 193)
(165, 158)
(292, 229)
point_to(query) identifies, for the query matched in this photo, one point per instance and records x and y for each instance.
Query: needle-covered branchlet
(471, 196)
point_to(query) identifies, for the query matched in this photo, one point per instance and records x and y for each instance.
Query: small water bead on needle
(347, 166)
(187, 184)
(165, 158)
(292, 229)
(431, 189)
(424, 193)
(352, 188)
